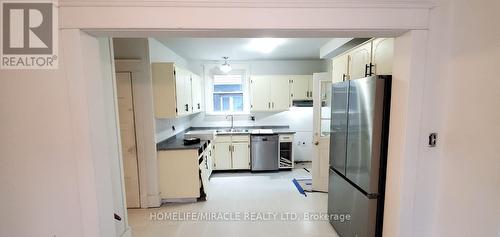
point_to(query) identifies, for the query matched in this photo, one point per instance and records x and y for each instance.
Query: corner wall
(468, 190)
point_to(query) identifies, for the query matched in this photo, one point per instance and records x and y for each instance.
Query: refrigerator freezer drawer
(344, 199)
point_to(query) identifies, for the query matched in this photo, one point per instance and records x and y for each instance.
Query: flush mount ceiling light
(225, 67)
(264, 45)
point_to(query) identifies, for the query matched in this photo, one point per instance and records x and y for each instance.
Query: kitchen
(255, 119)
(62, 152)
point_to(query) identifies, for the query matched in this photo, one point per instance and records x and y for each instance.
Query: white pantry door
(128, 141)
(322, 83)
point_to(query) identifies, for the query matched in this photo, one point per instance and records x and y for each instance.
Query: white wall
(158, 52)
(38, 166)
(468, 188)
(456, 183)
(108, 100)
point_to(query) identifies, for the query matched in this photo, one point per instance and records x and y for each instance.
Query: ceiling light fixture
(225, 67)
(264, 45)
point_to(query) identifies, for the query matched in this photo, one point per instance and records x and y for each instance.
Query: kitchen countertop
(177, 142)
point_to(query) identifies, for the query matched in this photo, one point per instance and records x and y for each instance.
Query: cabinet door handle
(273, 105)
(343, 77)
(269, 105)
(199, 106)
(367, 67)
(371, 67)
(187, 107)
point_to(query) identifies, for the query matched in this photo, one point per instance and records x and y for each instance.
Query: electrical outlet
(432, 139)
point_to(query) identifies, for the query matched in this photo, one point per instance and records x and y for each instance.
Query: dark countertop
(176, 142)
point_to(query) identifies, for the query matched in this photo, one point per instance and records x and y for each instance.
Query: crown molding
(253, 4)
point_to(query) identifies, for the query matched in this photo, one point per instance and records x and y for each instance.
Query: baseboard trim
(154, 200)
(179, 200)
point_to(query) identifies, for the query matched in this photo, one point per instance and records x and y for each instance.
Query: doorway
(125, 99)
(321, 130)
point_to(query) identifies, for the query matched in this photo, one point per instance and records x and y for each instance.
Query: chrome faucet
(232, 120)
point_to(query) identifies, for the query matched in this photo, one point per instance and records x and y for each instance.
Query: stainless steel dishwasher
(264, 152)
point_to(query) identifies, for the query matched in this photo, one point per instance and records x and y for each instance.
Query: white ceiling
(234, 48)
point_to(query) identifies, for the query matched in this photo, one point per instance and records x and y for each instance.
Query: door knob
(316, 143)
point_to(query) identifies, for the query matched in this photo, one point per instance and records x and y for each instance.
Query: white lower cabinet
(232, 152)
(241, 155)
(222, 156)
(182, 172)
(178, 174)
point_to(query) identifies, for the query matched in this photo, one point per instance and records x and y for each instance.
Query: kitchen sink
(234, 130)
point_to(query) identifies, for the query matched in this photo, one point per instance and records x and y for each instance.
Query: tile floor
(249, 195)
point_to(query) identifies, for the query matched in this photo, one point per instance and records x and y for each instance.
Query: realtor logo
(29, 35)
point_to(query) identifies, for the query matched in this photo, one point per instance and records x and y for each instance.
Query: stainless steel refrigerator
(358, 155)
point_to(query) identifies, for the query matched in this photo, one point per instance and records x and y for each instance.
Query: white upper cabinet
(173, 91)
(280, 92)
(340, 68)
(259, 93)
(310, 86)
(269, 93)
(197, 93)
(382, 53)
(300, 88)
(164, 92)
(374, 57)
(359, 61)
(183, 91)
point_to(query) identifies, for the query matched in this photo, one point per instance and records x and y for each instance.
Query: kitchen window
(228, 93)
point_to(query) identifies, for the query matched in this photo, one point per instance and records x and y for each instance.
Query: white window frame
(212, 69)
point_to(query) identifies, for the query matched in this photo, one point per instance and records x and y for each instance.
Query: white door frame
(135, 68)
(319, 167)
(408, 21)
